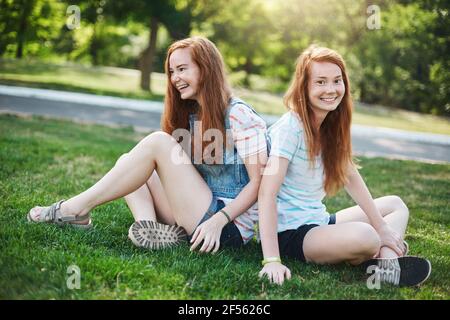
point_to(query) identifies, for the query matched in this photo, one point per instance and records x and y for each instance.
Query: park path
(146, 115)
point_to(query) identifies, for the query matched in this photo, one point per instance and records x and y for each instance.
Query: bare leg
(357, 242)
(187, 192)
(352, 242)
(163, 210)
(149, 202)
(394, 212)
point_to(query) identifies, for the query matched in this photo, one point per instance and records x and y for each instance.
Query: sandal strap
(71, 218)
(53, 213)
(49, 214)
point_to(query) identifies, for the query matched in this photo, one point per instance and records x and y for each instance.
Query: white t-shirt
(299, 200)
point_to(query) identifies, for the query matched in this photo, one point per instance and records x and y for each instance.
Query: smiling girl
(168, 188)
(310, 157)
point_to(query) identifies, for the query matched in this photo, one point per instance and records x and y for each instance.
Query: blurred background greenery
(403, 64)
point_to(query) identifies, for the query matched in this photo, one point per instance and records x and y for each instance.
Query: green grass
(43, 160)
(96, 80)
(125, 83)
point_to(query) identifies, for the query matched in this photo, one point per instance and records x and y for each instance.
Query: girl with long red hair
(310, 157)
(200, 175)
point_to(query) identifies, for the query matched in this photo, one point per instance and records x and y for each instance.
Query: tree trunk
(5, 7)
(248, 68)
(362, 92)
(147, 56)
(23, 25)
(93, 46)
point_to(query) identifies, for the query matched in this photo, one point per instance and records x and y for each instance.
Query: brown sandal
(52, 214)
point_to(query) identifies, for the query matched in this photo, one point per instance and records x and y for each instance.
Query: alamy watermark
(373, 282)
(387, 271)
(74, 277)
(211, 147)
(374, 20)
(73, 20)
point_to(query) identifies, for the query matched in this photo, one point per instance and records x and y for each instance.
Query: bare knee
(157, 139)
(121, 158)
(365, 243)
(399, 206)
(154, 143)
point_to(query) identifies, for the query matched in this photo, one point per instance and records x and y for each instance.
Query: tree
(243, 38)
(28, 24)
(178, 16)
(300, 23)
(405, 62)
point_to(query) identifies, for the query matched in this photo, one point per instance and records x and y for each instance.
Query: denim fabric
(332, 218)
(225, 180)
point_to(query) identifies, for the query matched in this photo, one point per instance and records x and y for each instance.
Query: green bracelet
(226, 215)
(271, 259)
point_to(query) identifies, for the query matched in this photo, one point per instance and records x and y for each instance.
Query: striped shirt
(249, 137)
(299, 200)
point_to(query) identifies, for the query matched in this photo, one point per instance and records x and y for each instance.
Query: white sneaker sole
(154, 235)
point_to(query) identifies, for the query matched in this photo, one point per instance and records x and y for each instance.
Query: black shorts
(230, 236)
(291, 241)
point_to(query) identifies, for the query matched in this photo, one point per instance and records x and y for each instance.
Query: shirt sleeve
(285, 137)
(249, 131)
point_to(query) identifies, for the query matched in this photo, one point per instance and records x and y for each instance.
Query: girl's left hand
(209, 231)
(391, 239)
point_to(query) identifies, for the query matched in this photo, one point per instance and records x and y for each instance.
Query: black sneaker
(403, 271)
(154, 235)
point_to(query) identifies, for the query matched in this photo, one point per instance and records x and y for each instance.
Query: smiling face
(184, 73)
(325, 87)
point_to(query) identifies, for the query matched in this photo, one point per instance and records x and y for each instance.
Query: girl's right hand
(391, 239)
(276, 272)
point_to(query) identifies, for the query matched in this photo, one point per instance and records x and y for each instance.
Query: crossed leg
(394, 212)
(353, 242)
(352, 238)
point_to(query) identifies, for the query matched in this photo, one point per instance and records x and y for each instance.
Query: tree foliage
(404, 63)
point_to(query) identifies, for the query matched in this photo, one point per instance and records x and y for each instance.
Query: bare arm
(211, 229)
(255, 165)
(273, 177)
(359, 192)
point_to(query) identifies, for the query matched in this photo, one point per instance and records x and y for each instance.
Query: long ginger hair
(213, 93)
(332, 140)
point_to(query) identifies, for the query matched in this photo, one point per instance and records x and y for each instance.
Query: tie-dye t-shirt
(249, 136)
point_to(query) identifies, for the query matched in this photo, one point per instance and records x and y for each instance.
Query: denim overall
(225, 179)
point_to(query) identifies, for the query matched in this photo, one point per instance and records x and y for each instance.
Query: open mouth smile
(181, 87)
(332, 99)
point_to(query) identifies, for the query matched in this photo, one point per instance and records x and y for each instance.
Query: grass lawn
(44, 160)
(125, 83)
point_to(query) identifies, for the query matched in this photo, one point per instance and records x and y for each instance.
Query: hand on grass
(276, 272)
(209, 231)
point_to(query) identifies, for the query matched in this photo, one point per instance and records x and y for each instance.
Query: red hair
(333, 137)
(213, 93)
